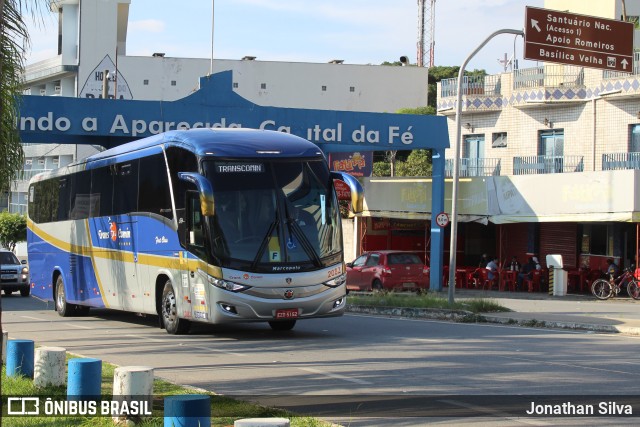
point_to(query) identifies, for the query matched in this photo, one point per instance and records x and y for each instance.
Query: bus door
(194, 284)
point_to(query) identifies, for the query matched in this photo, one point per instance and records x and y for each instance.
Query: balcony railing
(620, 161)
(473, 167)
(471, 85)
(27, 174)
(548, 76)
(18, 208)
(530, 165)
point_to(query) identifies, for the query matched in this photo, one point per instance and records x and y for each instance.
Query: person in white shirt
(492, 266)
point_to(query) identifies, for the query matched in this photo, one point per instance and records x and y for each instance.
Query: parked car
(387, 270)
(14, 275)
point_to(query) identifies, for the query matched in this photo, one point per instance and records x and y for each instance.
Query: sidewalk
(574, 311)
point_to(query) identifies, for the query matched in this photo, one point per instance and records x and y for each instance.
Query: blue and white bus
(201, 225)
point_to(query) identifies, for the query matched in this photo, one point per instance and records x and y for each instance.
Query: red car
(387, 270)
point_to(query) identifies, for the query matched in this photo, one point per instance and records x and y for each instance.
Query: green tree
(13, 229)
(418, 163)
(406, 162)
(14, 39)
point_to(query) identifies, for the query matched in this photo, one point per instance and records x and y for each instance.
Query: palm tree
(14, 39)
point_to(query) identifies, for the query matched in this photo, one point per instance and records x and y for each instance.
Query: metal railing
(471, 85)
(529, 165)
(548, 76)
(18, 208)
(620, 161)
(473, 167)
(27, 174)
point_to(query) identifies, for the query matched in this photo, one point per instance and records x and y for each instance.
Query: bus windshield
(269, 213)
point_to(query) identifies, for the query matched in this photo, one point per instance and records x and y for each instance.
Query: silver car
(14, 274)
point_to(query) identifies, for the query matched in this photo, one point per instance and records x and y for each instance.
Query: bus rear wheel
(282, 325)
(172, 323)
(63, 308)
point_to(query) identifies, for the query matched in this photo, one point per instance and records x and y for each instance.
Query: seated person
(514, 265)
(526, 272)
(492, 266)
(612, 269)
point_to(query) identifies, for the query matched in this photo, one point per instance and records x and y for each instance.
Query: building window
(28, 162)
(235, 85)
(56, 161)
(551, 149)
(41, 162)
(473, 147)
(324, 88)
(352, 89)
(145, 82)
(499, 140)
(263, 86)
(634, 139)
(173, 82)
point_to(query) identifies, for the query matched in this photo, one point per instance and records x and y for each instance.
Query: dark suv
(14, 275)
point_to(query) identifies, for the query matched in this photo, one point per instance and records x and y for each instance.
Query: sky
(356, 31)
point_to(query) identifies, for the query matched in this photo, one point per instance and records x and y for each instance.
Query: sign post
(582, 40)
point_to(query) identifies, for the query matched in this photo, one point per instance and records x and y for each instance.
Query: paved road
(353, 356)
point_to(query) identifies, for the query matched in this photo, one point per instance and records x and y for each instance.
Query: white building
(582, 125)
(92, 40)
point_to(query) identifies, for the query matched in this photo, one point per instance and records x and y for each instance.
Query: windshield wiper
(295, 229)
(265, 242)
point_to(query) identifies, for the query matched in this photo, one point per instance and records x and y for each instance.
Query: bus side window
(195, 225)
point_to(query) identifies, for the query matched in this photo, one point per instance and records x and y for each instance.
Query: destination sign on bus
(239, 167)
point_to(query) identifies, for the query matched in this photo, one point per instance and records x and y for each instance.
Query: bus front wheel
(63, 308)
(172, 323)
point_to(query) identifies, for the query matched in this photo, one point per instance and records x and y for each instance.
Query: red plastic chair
(508, 280)
(484, 280)
(533, 283)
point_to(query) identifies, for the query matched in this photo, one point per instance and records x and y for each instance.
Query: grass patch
(428, 300)
(225, 410)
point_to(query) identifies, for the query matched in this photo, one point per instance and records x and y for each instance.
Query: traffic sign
(442, 219)
(569, 38)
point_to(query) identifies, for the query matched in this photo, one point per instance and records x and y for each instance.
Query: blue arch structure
(108, 122)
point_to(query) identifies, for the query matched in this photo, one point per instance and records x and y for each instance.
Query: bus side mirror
(357, 192)
(204, 188)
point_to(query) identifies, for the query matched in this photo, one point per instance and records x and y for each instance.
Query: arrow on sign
(534, 24)
(624, 63)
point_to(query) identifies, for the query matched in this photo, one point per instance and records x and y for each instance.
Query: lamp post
(456, 167)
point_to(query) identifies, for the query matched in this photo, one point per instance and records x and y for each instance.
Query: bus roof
(221, 143)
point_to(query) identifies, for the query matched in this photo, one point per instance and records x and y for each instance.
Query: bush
(13, 229)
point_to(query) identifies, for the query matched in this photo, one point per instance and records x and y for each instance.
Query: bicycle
(604, 289)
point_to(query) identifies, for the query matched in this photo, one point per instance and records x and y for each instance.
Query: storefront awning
(563, 197)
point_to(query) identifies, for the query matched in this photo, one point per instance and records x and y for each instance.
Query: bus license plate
(288, 313)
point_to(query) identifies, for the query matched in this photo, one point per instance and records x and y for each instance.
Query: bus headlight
(227, 285)
(336, 281)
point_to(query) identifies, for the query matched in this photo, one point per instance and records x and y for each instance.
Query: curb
(607, 329)
(419, 313)
(461, 316)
